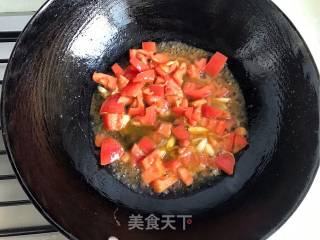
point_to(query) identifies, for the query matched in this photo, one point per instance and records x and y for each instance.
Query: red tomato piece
(225, 162)
(221, 127)
(157, 90)
(132, 90)
(150, 159)
(172, 165)
(147, 145)
(105, 80)
(149, 46)
(111, 150)
(122, 81)
(211, 111)
(196, 92)
(136, 153)
(201, 64)
(150, 117)
(111, 105)
(139, 65)
(172, 88)
(130, 72)
(146, 76)
(160, 58)
(185, 175)
(228, 142)
(165, 129)
(240, 142)
(179, 73)
(137, 111)
(193, 71)
(162, 184)
(117, 69)
(99, 139)
(180, 132)
(112, 121)
(216, 64)
(179, 111)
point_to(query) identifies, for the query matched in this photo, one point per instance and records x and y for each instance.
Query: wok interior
(47, 96)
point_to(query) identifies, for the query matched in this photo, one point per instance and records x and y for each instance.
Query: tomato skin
(107, 81)
(225, 162)
(162, 184)
(185, 175)
(111, 150)
(149, 46)
(147, 145)
(195, 92)
(130, 72)
(117, 69)
(132, 90)
(172, 165)
(146, 76)
(240, 142)
(139, 65)
(138, 111)
(211, 111)
(111, 105)
(150, 117)
(216, 64)
(180, 132)
(165, 129)
(228, 142)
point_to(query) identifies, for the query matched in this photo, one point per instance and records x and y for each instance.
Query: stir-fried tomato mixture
(190, 126)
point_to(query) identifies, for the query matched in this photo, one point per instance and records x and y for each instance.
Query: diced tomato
(117, 69)
(165, 129)
(179, 111)
(150, 117)
(132, 53)
(111, 121)
(211, 111)
(180, 132)
(111, 105)
(154, 172)
(111, 150)
(179, 73)
(157, 90)
(160, 185)
(147, 145)
(212, 123)
(137, 111)
(139, 65)
(241, 131)
(160, 58)
(130, 72)
(105, 80)
(185, 175)
(188, 114)
(240, 142)
(99, 139)
(216, 64)
(184, 143)
(132, 89)
(125, 100)
(146, 76)
(172, 165)
(195, 92)
(201, 64)
(149, 46)
(228, 142)
(136, 153)
(225, 162)
(193, 71)
(122, 81)
(160, 80)
(148, 161)
(172, 88)
(221, 127)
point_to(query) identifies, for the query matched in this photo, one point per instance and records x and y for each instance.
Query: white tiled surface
(303, 224)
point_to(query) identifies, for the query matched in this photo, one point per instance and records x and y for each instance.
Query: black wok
(46, 99)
